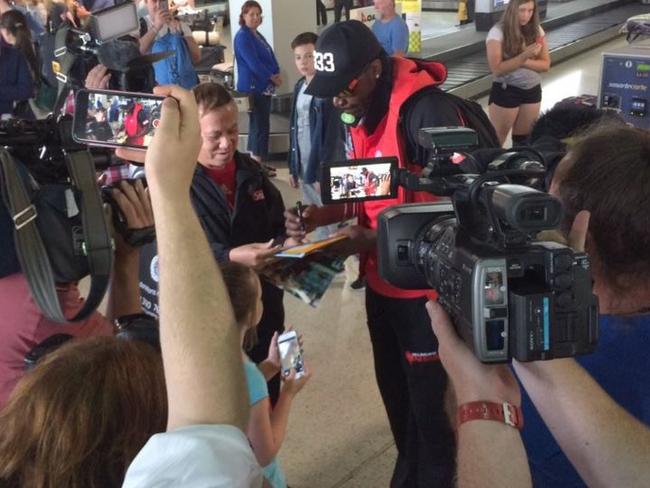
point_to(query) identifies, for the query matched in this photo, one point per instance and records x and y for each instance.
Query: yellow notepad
(303, 250)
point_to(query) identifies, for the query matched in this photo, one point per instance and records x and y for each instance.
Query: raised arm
(606, 445)
(199, 340)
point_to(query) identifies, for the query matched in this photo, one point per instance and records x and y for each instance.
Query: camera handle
(34, 260)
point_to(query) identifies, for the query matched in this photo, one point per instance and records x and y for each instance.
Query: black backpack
(470, 113)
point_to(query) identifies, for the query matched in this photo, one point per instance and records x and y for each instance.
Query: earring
(377, 76)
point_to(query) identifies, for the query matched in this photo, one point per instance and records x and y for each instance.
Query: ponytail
(16, 24)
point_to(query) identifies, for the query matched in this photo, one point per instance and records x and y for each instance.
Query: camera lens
(534, 214)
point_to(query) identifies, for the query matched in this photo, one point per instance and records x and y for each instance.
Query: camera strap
(33, 256)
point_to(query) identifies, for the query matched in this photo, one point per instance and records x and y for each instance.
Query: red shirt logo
(258, 196)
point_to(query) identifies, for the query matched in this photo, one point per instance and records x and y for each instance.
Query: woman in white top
(517, 53)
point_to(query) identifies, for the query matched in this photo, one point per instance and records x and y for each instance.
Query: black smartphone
(358, 180)
(116, 119)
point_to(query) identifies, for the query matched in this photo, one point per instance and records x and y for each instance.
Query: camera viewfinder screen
(359, 182)
(494, 288)
(117, 21)
(122, 120)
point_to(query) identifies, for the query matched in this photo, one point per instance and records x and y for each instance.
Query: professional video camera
(42, 146)
(104, 39)
(508, 295)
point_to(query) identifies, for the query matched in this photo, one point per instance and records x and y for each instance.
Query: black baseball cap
(343, 51)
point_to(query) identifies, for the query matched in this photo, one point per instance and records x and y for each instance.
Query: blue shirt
(392, 35)
(258, 391)
(621, 366)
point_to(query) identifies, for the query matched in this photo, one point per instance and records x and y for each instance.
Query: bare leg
(503, 120)
(528, 114)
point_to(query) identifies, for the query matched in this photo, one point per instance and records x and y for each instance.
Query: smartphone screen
(358, 180)
(116, 119)
(290, 354)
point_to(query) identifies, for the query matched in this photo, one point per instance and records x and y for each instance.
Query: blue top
(326, 142)
(392, 35)
(16, 82)
(621, 365)
(258, 391)
(256, 62)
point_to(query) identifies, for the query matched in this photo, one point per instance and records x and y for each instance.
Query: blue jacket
(327, 137)
(256, 62)
(16, 82)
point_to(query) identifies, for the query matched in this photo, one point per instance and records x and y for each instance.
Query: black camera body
(104, 39)
(508, 295)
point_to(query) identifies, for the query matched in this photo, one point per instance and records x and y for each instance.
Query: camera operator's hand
(135, 204)
(97, 78)
(472, 380)
(171, 157)
(256, 255)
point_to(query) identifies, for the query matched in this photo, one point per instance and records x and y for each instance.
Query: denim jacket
(327, 137)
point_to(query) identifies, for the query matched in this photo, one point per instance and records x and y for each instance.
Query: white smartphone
(290, 354)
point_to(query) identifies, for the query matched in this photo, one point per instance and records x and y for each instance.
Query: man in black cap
(384, 102)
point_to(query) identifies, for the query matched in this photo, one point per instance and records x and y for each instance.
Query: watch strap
(504, 412)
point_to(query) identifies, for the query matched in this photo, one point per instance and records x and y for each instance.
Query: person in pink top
(23, 326)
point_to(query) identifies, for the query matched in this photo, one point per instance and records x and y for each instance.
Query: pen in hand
(299, 214)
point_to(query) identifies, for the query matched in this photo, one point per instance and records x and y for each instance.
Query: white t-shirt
(524, 78)
(200, 456)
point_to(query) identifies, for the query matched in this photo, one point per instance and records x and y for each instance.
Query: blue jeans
(311, 196)
(259, 120)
